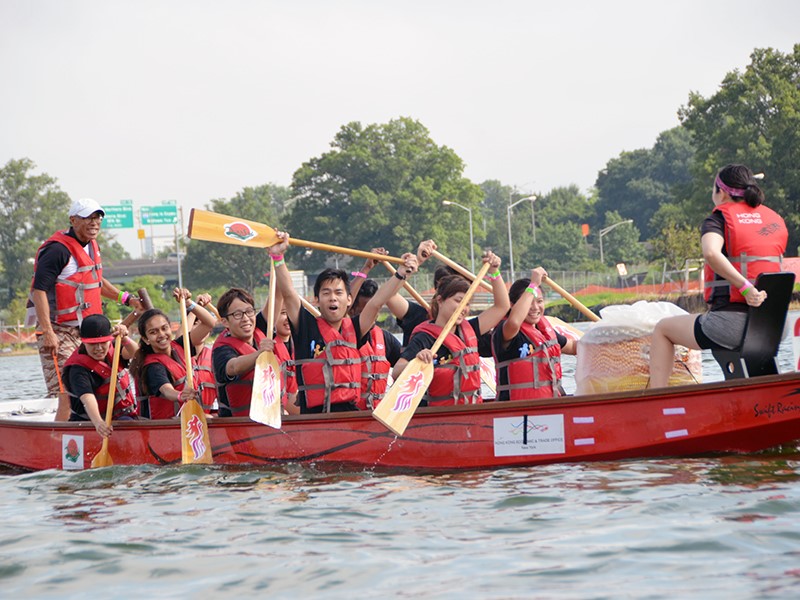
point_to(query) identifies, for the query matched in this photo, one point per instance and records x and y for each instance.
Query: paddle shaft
(414, 293)
(309, 307)
(460, 270)
(271, 313)
(457, 312)
(571, 299)
(187, 345)
(103, 458)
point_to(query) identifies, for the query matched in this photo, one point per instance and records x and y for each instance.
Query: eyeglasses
(93, 217)
(238, 314)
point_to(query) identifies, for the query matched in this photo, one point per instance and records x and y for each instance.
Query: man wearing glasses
(67, 287)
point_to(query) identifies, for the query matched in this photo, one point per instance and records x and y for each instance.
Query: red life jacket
(538, 373)
(288, 375)
(204, 378)
(334, 376)
(375, 369)
(755, 240)
(160, 407)
(459, 380)
(235, 402)
(124, 401)
(78, 295)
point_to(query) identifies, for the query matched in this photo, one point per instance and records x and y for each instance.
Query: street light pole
(606, 230)
(530, 199)
(471, 239)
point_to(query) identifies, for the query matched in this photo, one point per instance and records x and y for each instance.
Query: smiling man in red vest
(67, 287)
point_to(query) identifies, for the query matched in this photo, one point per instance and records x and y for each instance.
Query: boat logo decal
(410, 388)
(239, 231)
(72, 452)
(528, 435)
(194, 432)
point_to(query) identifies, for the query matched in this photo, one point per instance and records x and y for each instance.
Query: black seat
(762, 332)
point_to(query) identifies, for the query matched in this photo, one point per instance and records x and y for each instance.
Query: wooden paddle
(214, 227)
(103, 458)
(265, 400)
(401, 400)
(309, 307)
(571, 299)
(195, 442)
(414, 293)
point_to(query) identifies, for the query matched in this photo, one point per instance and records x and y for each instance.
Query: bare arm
(389, 289)
(492, 315)
(49, 339)
(712, 253)
(520, 309)
(89, 402)
(284, 280)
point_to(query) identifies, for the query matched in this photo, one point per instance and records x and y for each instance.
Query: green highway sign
(164, 214)
(118, 216)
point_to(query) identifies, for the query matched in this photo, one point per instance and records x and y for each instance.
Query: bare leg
(668, 332)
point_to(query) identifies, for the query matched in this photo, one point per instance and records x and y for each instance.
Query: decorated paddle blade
(488, 375)
(214, 227)
(403, 398)
(265, 402)
(195, 442)
(565, 329)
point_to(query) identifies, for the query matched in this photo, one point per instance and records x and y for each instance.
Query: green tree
(637, 183)
(676, 240)
(753, 119)
(621, 244)
(32, 207)
(210, 264)
(382, 185)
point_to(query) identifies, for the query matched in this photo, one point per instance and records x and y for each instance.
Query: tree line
(384, 185)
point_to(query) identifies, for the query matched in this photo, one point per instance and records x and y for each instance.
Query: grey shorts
(720, 329)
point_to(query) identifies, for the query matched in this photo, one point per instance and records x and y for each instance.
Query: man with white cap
(67, 287)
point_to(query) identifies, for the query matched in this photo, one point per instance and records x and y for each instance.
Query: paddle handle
(309, 307)
(414, 293)
(187, 345)
(461, 270)
(271, 313)
(112, 392)
(212, 309)
(571, 299)
(457, 312)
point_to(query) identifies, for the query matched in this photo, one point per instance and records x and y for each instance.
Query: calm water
(724, 527)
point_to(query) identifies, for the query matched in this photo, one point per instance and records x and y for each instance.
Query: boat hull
(726, 417)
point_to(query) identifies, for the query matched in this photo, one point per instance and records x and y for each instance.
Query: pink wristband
(276, 257)
(359, 274)
(745, 288)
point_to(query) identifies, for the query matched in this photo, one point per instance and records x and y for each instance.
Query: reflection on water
(706, 528)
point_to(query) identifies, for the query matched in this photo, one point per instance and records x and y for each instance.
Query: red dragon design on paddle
(194, 433)
(409, 389)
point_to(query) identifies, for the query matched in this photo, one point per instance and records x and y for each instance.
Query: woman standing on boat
(160, 363)
(456, 375)
(741, 239)
(527, 349)
(88, 375)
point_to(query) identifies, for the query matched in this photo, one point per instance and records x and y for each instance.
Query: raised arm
(389, 289)
(521, 308)
(285, 288)
(492, 315)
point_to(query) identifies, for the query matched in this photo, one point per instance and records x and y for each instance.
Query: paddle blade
(195, 443)
(214, 227)
(401, 400)
(103, 458)
(565, 329)
(488, 374)
(265, 402)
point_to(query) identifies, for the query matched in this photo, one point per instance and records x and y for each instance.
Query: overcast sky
(193, 100)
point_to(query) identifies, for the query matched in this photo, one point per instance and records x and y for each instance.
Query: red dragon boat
(734, 416)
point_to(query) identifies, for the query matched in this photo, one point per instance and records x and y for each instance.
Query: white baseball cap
(85, 207)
